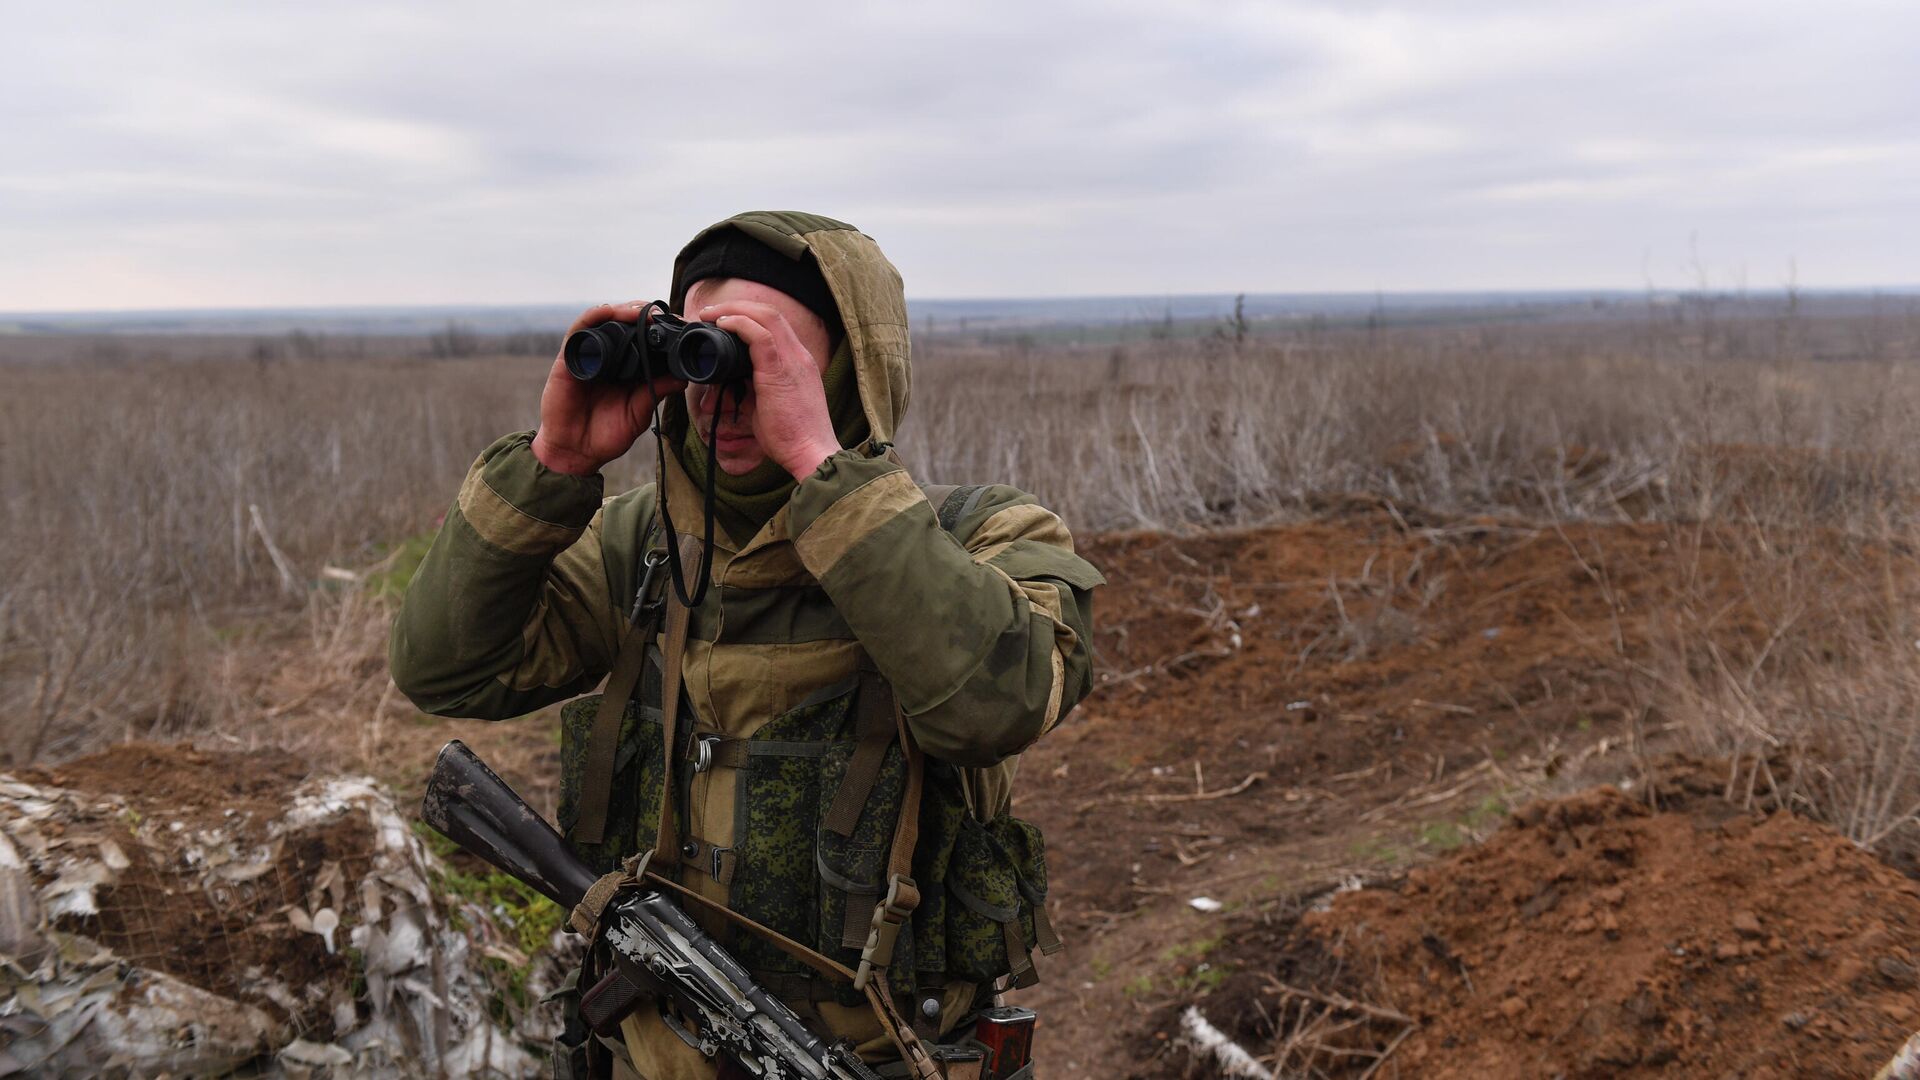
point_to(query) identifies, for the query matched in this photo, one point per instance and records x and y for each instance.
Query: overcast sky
(214, 155)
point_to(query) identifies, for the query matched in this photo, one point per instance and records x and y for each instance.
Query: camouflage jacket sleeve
(511, 608)
(986, 644)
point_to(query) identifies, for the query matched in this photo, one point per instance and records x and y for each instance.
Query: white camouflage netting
(86, 987)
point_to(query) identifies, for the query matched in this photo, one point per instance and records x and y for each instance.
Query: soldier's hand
(585, 425)
(791, 421)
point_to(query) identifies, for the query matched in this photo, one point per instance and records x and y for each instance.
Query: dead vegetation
(1803, 674)
(163, 515)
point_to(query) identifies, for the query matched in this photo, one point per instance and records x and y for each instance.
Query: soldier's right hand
(585, 425)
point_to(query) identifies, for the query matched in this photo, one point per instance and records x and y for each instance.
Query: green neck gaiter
(742, 504)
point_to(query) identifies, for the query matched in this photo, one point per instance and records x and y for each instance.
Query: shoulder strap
(873, 728)
(938, 494)
(666, 846)
(603, 738)
(953, 502)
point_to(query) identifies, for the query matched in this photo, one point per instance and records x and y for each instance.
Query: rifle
(656, 950)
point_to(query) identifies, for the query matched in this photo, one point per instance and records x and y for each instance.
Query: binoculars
(695, 352)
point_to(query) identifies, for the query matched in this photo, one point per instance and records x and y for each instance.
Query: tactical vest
(819, 791)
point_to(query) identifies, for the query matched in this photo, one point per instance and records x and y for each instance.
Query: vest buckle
(889, 915)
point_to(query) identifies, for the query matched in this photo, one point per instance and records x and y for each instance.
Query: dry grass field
(164, 512)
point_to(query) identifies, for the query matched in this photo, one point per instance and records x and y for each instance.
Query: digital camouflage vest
(814, 837)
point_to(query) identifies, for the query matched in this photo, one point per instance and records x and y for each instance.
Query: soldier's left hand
(791, 421)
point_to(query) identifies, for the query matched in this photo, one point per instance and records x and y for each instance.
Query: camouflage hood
(865, 287)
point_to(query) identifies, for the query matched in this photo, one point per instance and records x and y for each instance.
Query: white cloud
(219, 155)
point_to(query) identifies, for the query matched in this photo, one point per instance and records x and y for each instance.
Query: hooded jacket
(976, 611)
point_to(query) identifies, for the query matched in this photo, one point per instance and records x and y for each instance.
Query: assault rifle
(656, 950)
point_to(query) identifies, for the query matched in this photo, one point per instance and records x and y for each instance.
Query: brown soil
(1227, 656)
(182, 780)
(1633, 939)
(1282, 709)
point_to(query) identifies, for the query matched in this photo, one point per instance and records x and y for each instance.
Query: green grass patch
(1490, 811)
(1481, 818)
(1194, 973)
(1191, 950)
(400, 562)
(1379, 849)
(1203, 979)
(528, 918)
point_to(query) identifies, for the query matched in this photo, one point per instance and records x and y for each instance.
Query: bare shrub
(1803, 673)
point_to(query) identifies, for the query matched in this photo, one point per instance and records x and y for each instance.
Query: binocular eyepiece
(695, 352)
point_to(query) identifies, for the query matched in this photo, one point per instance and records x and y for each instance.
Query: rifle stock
(476, 809)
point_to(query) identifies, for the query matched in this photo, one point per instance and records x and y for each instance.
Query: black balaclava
(744, 503)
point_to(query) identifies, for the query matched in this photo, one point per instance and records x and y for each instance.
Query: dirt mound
(182, 778)
(1359, 655)
(1593, 937)
(1280, 708)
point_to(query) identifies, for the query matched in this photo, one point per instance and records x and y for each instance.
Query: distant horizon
(1544, 293)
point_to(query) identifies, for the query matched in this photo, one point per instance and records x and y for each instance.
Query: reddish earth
(1282, 709)
(195, 786)
(1612, 941)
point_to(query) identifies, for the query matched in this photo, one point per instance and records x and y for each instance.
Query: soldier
(760, 743)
